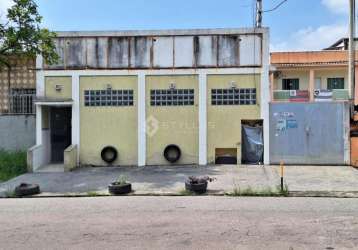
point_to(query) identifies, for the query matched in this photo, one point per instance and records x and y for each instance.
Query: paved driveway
(170, 180)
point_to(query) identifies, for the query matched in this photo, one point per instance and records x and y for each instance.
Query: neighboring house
(152, 93)
(312, 75)
(17, 109)
(310, 106)
(341, 44)
(18, 86)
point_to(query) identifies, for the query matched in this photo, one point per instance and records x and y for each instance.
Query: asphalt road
(178, 223)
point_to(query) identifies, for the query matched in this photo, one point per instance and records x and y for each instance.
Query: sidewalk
(336, 181)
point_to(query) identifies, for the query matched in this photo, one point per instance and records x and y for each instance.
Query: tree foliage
(21, 34)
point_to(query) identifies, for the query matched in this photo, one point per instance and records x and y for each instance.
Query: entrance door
(60, 124)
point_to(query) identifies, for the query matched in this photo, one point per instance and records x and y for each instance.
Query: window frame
(108, 98)
(288, 81)
(172, 97)
(233, 96)
(329, 84)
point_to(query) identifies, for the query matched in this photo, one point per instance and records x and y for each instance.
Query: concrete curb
(312, 194)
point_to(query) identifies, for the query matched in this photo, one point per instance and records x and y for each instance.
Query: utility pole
(351, 67)
(258, 13)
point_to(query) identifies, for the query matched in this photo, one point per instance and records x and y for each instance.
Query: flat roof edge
(171, 32)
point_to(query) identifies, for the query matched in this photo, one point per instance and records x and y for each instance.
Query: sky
(296, 25)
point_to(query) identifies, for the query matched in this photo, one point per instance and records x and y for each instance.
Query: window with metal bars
(172, 97)
(22, 101)
(233, 96)
(109, 97)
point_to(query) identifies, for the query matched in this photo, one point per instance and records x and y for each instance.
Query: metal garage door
(309, 133)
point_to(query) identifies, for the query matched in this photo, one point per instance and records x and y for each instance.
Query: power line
(276, 7)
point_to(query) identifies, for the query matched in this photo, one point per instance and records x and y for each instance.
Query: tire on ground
(25, 189)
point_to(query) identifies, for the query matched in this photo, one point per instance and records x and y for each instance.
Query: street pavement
(166, 180)
(204, 222)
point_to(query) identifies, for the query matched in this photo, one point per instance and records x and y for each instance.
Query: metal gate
(309, 133)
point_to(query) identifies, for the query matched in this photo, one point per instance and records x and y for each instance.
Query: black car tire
(109, 154)
(199, 188)
(25, 189)
(172, 153)
(114, 188)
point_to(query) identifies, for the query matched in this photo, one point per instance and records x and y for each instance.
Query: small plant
(121, 180)
(92, 193)
(285, 191)
(184, 192)
(10, 192)
(200, 180)
(198, 184)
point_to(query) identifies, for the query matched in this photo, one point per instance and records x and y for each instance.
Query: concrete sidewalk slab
(169, 180)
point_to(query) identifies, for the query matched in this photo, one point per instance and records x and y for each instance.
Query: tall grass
(12, 164)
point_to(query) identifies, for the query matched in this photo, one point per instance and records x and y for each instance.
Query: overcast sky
(296, 25)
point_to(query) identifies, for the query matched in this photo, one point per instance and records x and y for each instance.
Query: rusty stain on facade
(161, 51)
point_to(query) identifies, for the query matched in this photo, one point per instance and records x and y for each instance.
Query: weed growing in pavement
(93, 193)
(185, 192)
(264, 192)
(10, 192)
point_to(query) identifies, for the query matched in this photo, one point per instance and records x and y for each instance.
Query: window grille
(172, 97)
(22, 101)
(233, 96)
(109, 97)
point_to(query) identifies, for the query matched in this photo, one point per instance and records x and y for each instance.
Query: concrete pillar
(38, 125)
(311, 85)
(203, 121)
(76, 113)
(40, 78)
(141, 121)
(265, 95)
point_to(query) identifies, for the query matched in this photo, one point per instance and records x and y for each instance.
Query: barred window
(109, 97)
(22, 101)
(233, 96)
(172, 97)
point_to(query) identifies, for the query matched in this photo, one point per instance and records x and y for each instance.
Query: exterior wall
(159, 49)
(103, 126)
(224, 122)
(324, 74)
(64, 82)
(139, 60)
(304, 75)
(17, 132)
(176, 124)
(21, 76)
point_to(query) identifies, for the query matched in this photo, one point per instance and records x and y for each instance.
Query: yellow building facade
(160, 98)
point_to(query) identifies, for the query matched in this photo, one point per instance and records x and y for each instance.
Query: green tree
(21, 34)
